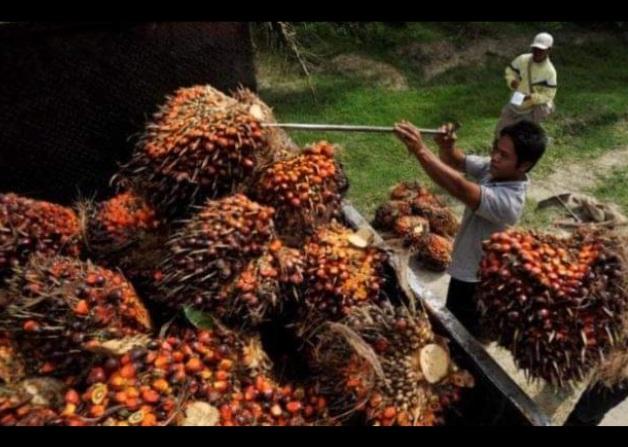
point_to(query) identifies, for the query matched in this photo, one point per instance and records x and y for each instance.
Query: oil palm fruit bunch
(279, 142)
(407, 190)
(59, 307)
(155, 384)
(341, 272)
(414, 192)
(432, 251)
(260, 290)
(201, 388)
(412, 199)
(425, 225)
(407, 226)
(305, 191)
(212, 249)
(387, 363)
(557, 304)
(387, 214)
(201, 144)
(31, 226)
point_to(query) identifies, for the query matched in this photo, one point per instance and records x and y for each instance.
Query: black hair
(529, 140)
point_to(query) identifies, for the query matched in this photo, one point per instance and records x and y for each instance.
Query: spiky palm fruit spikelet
(279, 142)
(31, 226)
(387, 214)
(201, 144)
(305, 191)
(212, 249)
(60, 306)
(613, 370)
(260, 290)
(386, 362)
(126, 233)
(340, 275)
(117, 223)
(557, 304)
(432, 251)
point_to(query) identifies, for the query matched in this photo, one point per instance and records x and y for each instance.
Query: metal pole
(343, 128)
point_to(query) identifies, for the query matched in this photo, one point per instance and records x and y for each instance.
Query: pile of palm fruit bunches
(422, 221)
(558, 304)
(153, 307)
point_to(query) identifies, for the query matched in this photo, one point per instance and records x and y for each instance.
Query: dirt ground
(577, 177)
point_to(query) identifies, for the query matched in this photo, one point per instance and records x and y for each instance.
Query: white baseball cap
(543, 41)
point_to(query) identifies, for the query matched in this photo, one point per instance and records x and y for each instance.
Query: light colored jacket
(541, 87)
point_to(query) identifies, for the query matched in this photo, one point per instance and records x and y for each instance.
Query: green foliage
(592, 99)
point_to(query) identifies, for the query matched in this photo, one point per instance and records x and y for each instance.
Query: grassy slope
(592, 101)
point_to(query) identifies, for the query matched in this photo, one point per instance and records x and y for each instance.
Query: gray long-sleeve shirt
(501, 205)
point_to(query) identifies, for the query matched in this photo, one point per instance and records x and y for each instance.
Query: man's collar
(525, 180)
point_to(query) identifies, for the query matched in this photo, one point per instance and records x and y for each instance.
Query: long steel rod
(343, 128)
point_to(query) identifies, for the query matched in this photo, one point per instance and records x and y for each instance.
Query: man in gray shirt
(494, 197)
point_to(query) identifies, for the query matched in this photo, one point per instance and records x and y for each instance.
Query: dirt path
(578, 176)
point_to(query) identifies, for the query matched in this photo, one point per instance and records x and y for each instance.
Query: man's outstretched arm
(439, 171)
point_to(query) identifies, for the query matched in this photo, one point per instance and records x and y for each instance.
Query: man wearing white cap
(532, 78)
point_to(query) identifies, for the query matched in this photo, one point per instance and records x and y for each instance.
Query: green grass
(614, 189)
(591, 117)
(539, 219)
